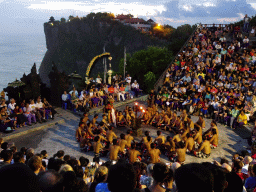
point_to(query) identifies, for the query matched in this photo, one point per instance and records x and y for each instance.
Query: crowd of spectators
(29, 171)
(214, 76)
(100, 94)
(26, 113)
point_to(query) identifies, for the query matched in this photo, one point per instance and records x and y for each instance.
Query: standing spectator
(135, 88)
(246, 23)
(128, 79)
(64, 99)
(98, 81)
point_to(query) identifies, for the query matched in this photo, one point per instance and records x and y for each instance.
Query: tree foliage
(149, 80)
(147, 65)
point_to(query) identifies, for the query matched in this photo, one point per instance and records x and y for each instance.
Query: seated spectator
(35, 164)
(35, 111)
(50, 181)
(6, 123)
(7, 156)
(160, 175)
(100, 176)
(197, 176)
(49, 110)
(148, 179)
(11, 105)
(121, 177)
(29, 114)
(21, 118)
(25, 179)
(74, 101)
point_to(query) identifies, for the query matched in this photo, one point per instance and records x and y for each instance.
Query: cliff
(71, 45)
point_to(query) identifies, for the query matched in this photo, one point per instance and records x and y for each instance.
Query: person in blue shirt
(208, 96)
(250, 182)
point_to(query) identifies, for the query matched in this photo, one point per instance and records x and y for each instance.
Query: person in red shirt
(214, 90)
(111, 89)
(231, 101)
(237, 168)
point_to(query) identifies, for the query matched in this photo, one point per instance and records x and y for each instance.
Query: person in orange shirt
(111, 89)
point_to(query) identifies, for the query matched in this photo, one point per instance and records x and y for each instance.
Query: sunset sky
(28, 16)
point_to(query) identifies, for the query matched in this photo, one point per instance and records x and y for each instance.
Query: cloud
(172, 9)
(135, 8)
(221, 9)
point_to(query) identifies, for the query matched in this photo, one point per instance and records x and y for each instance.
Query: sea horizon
(18, 53)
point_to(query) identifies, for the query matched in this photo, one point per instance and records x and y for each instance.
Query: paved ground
(62, 137)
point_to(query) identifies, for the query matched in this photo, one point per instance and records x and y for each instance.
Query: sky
(28, 16)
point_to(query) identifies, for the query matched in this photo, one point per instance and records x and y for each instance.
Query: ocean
(18, 53)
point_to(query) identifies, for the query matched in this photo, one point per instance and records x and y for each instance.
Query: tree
(63, 20)
(149, 79)
(51, 19)
(130, 15)
(153, 60)
(70, 17)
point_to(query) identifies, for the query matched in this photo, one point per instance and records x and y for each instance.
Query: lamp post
(109, 71)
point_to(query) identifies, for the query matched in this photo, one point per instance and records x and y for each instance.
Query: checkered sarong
(197, 144)
(201, 155)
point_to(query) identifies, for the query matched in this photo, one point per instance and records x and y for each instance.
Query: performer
(121, 121)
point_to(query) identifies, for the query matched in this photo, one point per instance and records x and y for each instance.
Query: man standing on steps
(246, 23)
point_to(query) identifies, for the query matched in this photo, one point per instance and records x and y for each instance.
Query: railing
(161, 78)
(215, 25)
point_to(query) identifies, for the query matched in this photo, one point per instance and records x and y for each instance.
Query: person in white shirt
(231, 47)
(40, 107)
(29, 114)
(74, 90)
(64, 98)
(247, 161)
(35, 110)
(135, 88)
(98, 80)
(83, 91)
(120, 93)
(222, 39)
(11, 105)
(219, 84)
(218, 46)
(245, 42)
(254, 58)
(128, 79)
(82, 96)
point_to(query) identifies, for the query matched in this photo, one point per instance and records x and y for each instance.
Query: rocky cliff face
(72, 45)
